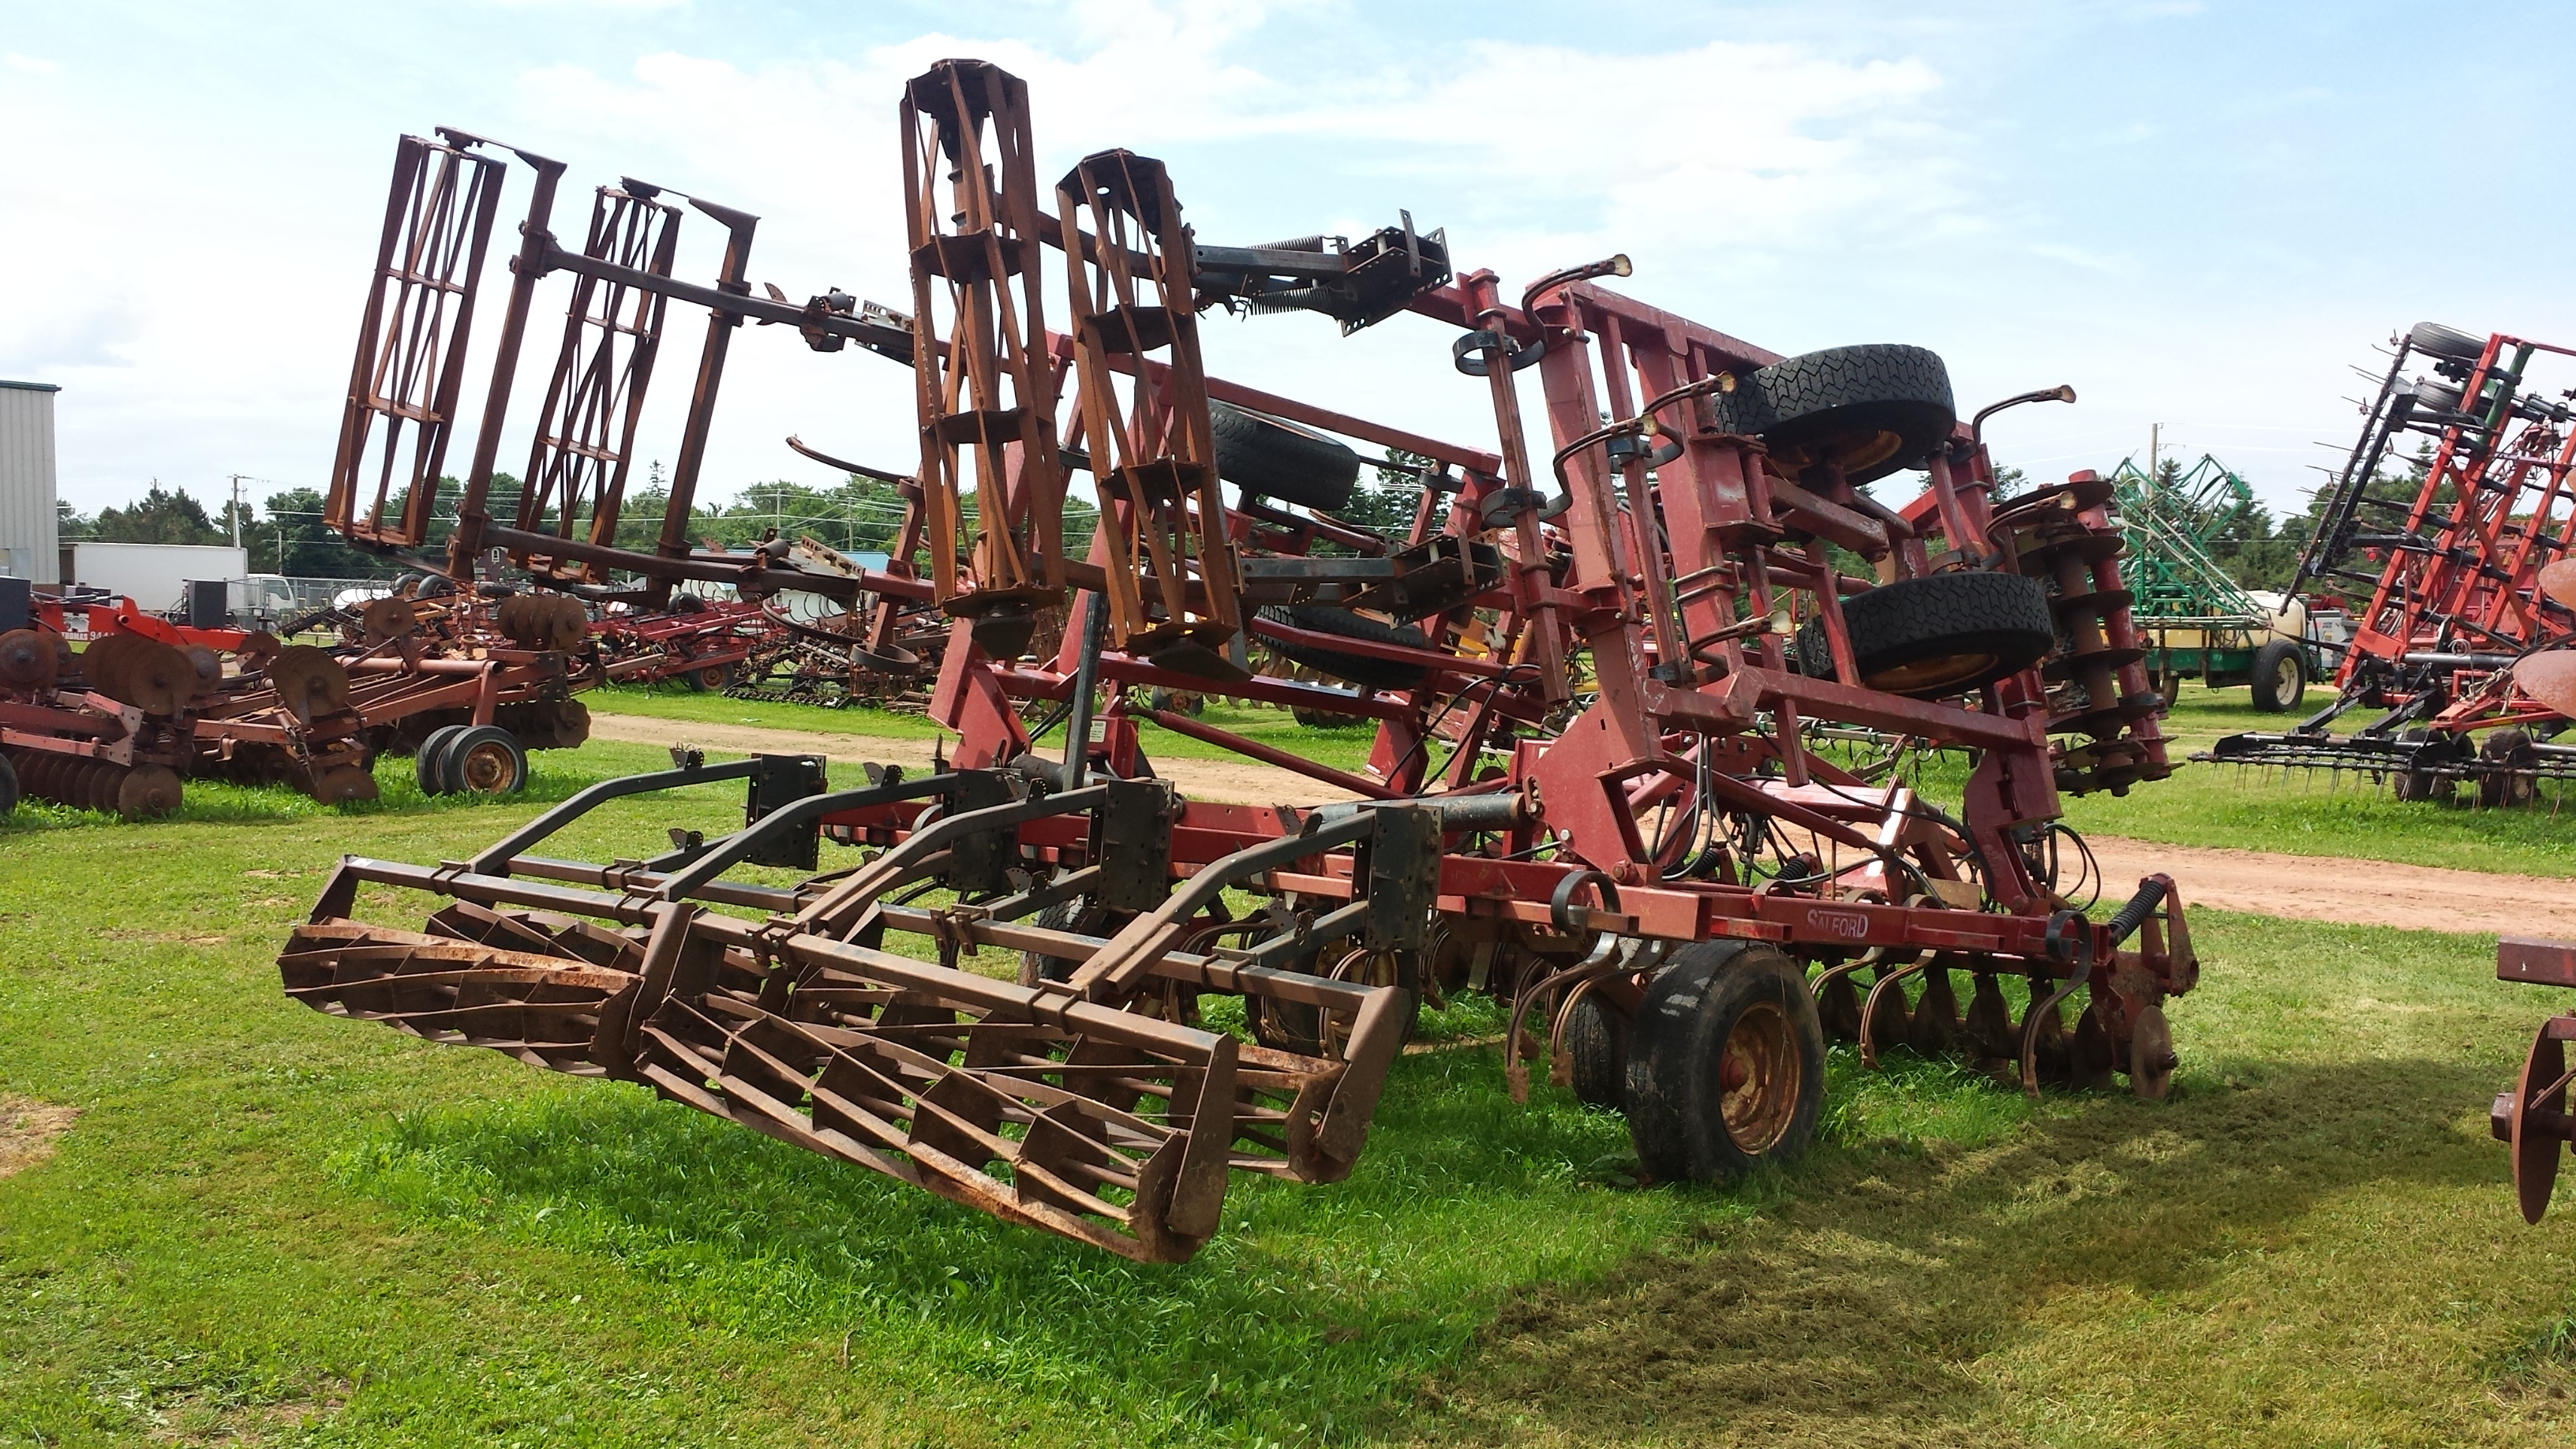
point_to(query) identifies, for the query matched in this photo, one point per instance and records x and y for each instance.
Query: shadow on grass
(1852, 1308)
(1918, 1236)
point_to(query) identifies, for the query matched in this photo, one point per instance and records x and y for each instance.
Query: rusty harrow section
(1087, 1106)
(411, 347)
(1154, 455)
(981, 372)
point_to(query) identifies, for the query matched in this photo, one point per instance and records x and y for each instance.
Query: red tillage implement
(2461, 648)
(1635, 839)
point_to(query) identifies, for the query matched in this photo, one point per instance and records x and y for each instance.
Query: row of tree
(862, 515)
(858, 515)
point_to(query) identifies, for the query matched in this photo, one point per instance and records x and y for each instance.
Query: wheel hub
(1758, 1078)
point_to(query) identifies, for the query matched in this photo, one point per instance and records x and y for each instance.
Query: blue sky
(2202, 215)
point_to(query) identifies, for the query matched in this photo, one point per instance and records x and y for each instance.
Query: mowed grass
(2297, 812)
(2302, 812)
(271, 1226)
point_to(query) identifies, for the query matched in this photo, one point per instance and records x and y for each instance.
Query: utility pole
(2155, 433)
(236, 510)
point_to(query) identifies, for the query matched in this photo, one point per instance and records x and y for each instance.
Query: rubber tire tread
(2267, 671)
(1912, 620)
(1271, 458)
(451, 758)
(429, 762)
(1351, 668)
(1035, 968)
(1597, 1049)
(2441, 341)
(1793, 396)
(8, 786)
(1675, 1054)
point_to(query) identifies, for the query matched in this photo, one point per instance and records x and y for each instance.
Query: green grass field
(2299, 814)
(269, 1226)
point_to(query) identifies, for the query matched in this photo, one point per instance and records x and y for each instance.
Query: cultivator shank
(1088, 1106)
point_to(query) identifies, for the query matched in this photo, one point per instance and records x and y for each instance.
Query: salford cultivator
(1633, 839)
(2462, 648)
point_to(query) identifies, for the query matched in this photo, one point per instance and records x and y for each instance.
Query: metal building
(30, 535)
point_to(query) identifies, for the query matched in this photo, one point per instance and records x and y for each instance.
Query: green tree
(162, 515)
(294, 540)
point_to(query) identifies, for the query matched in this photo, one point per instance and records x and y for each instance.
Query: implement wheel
(429, 762)
(1264, 456)
(1358, 669)
(2424, 784)
(1726, 1064)
(2280, 677)
(2512, 773)
(484, 760)
(1596, 1044)
(1872, 409)
(1940, 635)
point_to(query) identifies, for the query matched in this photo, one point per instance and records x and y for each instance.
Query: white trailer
(155, 575)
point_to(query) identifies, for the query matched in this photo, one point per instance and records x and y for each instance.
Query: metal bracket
(1133, 832)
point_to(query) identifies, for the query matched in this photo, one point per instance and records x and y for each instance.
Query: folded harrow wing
(1606, 666)
(2461, 649)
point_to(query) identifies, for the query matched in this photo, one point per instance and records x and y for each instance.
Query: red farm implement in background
(2460, 651)
(1641, 837)
(697, 642)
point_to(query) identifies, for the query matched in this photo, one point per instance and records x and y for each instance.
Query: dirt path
(2363, 892)
(2293, 887)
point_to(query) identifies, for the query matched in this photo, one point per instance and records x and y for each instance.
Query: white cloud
(32, 65)
(1713, 165)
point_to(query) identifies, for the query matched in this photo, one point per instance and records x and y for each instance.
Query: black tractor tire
(2280, 677)
(1264, 456)
(2512, 775)
(429, 761)
(483, 760)
(1724, 1009)
(2417, 786)
(1596, 1047)
(2441, 341)
(1354, 668)
(1875, 409)
(1940, 635)
(8, 786)
(1035, 967)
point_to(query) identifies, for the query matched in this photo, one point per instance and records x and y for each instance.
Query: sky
(2204, 216)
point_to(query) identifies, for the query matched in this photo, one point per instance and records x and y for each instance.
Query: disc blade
(2550, 678)
(2558, 581)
